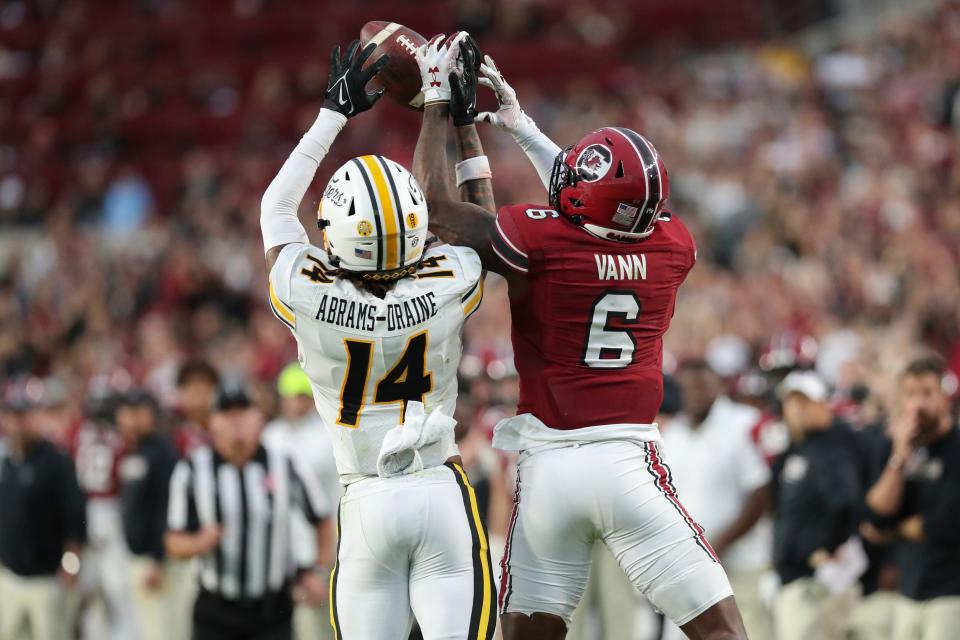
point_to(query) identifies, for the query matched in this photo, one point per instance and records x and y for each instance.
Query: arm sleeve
(278, 209)
(540, 150)
(508, 242)
(181, 509)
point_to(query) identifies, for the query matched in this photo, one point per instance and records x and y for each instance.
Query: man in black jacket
(817, 493)
(917, 498)
(144, 486)
(42, 526)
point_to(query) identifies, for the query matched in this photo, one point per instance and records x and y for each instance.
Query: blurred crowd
(823, 191)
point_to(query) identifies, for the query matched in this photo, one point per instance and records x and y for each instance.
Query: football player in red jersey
(593, 279)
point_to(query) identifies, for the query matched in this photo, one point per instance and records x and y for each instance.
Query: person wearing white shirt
(299, 431)
(723, 481)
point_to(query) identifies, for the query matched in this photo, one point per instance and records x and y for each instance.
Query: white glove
(437, 59)
(509, 117)
(540, 149)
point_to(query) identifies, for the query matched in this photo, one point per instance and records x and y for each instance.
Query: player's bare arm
(479, 191)
(346, 96)
(454, 221)
(753, 509)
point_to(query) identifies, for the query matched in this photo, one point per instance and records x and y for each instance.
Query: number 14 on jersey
(408, 380)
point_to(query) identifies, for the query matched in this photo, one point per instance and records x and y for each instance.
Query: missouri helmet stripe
(388, 211)
(376, 212)
(648, 159)
(401, 237)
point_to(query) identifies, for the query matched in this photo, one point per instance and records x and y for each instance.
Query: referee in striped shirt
(233, 505)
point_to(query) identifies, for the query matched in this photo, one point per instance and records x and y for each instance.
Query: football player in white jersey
(377, 313)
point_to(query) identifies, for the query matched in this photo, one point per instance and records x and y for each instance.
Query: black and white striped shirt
(258, 507)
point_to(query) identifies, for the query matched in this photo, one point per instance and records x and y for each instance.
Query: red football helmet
(612, 183)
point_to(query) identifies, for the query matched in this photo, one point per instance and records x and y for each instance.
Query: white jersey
(367, 357)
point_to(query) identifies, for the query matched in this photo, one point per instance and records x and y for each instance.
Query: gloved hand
(437, 58)
(463, 84)
(347, 86)
(509, 117)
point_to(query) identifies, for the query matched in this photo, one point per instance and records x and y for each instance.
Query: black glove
(463, 88)
(347, 86)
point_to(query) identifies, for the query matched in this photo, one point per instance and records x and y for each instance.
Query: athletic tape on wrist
(475, 168)
(435, 95)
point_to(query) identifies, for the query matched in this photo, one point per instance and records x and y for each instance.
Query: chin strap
(390, 276)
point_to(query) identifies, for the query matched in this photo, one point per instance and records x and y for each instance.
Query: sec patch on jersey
(401, 76)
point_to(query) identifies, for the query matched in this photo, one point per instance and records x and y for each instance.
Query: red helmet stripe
(653, 180)
(646, 178)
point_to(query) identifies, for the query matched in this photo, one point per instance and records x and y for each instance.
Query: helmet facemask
(616, 185)
(561, 176)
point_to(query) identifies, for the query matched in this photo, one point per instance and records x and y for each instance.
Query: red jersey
(588, 334)
(97, 451)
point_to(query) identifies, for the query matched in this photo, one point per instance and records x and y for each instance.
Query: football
(401, 76)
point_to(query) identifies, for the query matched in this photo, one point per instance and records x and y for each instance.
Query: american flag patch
(366, 254)
(625, 214)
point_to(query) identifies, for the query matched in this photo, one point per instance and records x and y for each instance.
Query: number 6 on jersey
(606, 347)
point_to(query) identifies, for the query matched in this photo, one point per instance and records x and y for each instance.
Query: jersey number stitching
(407, 381)
(433, 262)
(319, 273)
(607, 347)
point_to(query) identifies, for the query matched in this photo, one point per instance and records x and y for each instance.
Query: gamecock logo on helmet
(594, 162)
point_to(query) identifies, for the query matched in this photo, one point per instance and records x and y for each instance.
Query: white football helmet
(374, 216)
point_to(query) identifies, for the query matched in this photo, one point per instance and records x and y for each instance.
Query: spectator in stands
(197, 383)
(221, 496)
(611, 607)
(104, 587)
(144, 485)
(724, 482)
(301, 434)
(817, 497)
(42, 526)
(917, 496)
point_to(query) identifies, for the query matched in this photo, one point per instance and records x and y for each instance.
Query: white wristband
(432, 95)
(476, 168)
